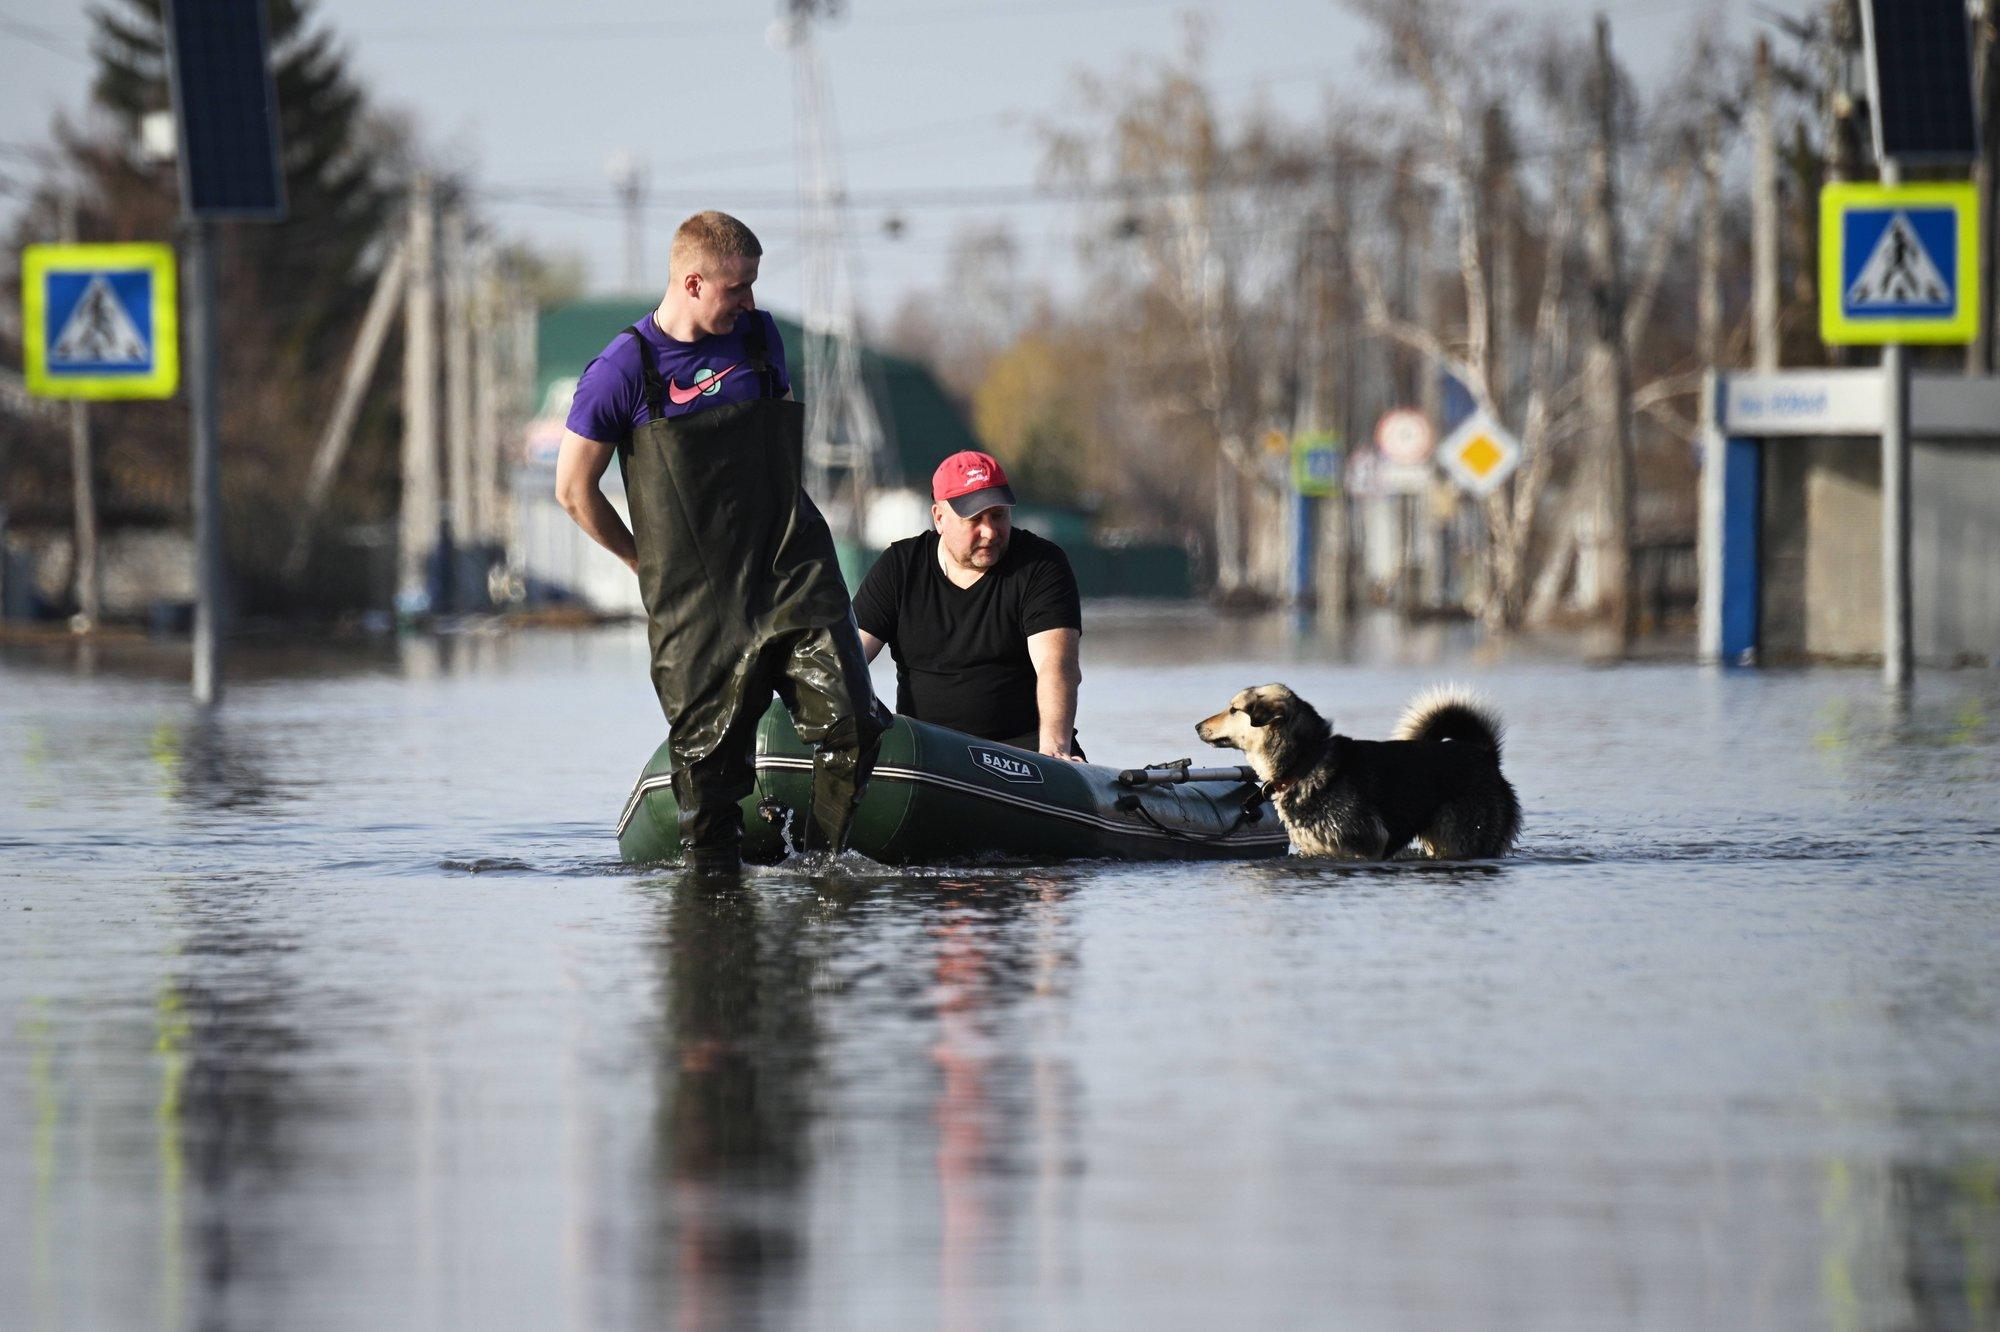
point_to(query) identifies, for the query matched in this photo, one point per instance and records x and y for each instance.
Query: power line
(1129, 189)
(623, 30)
(52, 40)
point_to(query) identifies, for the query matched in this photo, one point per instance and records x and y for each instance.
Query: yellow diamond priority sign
(1480, 454)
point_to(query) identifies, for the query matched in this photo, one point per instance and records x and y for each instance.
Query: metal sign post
(1907, 269)
(1899, 264)
(98, 322)
(226, 109)
(1898, 650)
(205, 475)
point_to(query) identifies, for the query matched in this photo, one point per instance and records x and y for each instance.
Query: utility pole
(1763, 215)
(1334, 570)
(628, 182)
(83, 474)
(1496, 212)
(1310, 406)
(419, 525)
(1708, 297)
(486, 400)
(1607, 374)
(1842, 42)
(340, 425)
(458, 402)
(1407, 217)
(1979, 359)
(1231, 545)
(1843, 135)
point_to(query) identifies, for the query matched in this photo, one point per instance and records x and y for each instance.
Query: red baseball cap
(971, 482)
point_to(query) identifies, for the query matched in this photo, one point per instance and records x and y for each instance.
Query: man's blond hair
(709, 236)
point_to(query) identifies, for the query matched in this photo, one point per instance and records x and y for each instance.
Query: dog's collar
(1283, 782)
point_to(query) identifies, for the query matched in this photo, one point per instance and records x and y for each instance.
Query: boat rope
(1250, 813)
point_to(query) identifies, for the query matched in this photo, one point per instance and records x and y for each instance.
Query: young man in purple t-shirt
(736, 565)
(697, 335)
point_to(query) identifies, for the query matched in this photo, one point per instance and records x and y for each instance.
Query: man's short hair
(709, 236)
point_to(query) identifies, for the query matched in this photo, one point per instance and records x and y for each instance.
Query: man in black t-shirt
(983, 620)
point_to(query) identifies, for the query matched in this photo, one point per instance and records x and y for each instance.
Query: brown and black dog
(1437, 783)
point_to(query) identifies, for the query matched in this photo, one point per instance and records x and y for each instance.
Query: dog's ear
(1264, 711)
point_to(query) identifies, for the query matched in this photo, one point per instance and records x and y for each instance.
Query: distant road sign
(1480, 454)
(1316, 463)
(99, 321)
(1405, 436)
(1899, 263)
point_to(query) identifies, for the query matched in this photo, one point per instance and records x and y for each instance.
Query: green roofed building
(920, 424)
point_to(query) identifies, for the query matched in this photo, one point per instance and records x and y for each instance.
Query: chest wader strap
(649, 366)
(756, 348)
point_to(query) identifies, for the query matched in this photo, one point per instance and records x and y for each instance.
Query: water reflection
(739, 1048)
(213, 763)
(788, 1006)
(1947, 1233)
(231, 1103)
(1005, 1101)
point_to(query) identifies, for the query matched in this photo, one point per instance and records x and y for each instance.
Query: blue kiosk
(1794, 529)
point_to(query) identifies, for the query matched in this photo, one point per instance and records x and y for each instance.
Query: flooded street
(338, 1010)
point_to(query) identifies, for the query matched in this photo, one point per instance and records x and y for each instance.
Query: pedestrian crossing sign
(1899, 263)
(99, 321)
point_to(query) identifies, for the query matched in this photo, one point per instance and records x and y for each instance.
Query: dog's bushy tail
(1451, 712)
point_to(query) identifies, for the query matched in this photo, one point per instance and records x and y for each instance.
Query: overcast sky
(943, 95)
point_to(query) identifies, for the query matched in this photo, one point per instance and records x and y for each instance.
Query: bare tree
(1191, 239)
(1450, 61)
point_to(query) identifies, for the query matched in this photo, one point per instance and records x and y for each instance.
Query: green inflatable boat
(939, 796)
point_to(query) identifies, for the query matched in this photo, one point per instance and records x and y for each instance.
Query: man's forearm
(601, 523)
(1055, 706)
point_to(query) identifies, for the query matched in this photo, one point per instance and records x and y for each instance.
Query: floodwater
(337, 1011)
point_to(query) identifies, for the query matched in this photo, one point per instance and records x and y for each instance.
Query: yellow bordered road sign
(100, 321)
(1316, 464)
(1899, 263)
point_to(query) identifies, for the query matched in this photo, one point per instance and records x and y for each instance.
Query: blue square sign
(1889, 266)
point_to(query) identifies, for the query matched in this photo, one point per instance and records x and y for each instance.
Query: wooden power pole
(84, 566)
(1708, 296)
(419, 527)
(339, 430)
(1763, 216)
(1607, 374)
(457, 398)
(486, 401)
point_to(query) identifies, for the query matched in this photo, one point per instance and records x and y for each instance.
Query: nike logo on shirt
(681, 397)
